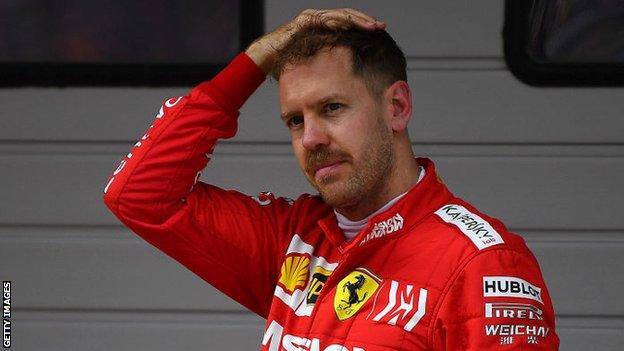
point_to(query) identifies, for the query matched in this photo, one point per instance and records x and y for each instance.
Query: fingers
(340, 19)
(264, 50)
(366, 20)
(347, 18)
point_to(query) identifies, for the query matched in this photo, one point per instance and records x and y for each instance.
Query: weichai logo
(276, 340)
(513, 329)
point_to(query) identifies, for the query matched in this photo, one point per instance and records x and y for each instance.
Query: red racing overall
(429, 273)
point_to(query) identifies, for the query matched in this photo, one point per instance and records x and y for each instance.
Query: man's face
(339, 134)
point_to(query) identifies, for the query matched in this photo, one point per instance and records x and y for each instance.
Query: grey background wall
(548, 162)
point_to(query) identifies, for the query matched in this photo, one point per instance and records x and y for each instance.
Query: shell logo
(294, 272)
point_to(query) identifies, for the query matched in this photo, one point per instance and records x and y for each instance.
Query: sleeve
(229, 239)
(498, 301)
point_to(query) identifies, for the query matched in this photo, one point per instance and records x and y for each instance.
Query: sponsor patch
(385, 227)
(266, 198)
(532, 340)
(399, 304)
(275, 339)
(294, 272)
(501, 286)
(294, 282)
(515, 329)
(319, 277)
(507, 340)
(474, 227)
(353, 291)
(513, 310)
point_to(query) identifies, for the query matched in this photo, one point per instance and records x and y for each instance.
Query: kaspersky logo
(353, 291)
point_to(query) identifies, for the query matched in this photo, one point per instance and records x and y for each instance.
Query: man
(384, 258)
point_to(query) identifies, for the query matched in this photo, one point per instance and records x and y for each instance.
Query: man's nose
(314, 134)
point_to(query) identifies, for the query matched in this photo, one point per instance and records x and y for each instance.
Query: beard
(368, 176)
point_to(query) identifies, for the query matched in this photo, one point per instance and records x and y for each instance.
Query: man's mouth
(325, 169)
(321, 164)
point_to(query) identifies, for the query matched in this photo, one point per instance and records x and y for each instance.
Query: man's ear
(399, 104)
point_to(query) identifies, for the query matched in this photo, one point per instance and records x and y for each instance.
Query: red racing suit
(429, 273)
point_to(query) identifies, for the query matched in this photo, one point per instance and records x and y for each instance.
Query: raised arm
(220, 235)
(215, 233)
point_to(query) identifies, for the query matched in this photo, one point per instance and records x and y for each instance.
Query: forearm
(153, 179)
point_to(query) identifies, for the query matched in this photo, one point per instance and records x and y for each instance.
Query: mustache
(321, 156)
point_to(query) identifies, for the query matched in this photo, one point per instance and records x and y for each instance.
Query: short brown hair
(376, 57)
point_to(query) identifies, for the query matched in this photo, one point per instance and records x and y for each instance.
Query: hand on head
(264, 50)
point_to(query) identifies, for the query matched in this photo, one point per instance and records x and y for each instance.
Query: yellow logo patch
(294, 272)
(319, 277)
(353, 291)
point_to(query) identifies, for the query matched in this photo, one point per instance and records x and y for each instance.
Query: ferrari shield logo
(353, 291)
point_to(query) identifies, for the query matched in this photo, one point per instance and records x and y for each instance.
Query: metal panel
(121, 331)
(493, 107)
(524, 191)
(421, 28)
(145, 334)
(103, 330)
(590, 333)
(117, 272)
(450, 106)
(103, 274)
(548, 162)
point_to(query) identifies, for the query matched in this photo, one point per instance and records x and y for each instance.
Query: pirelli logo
(471, 225)
(513, 310)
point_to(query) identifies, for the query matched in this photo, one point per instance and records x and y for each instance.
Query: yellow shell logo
(294, 273)
(353, 291)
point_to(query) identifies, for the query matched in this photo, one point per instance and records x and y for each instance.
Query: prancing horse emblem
(353, 291)
(353, 288)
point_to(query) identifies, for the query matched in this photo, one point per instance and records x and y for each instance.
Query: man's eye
(294, 121)
(333, 107)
